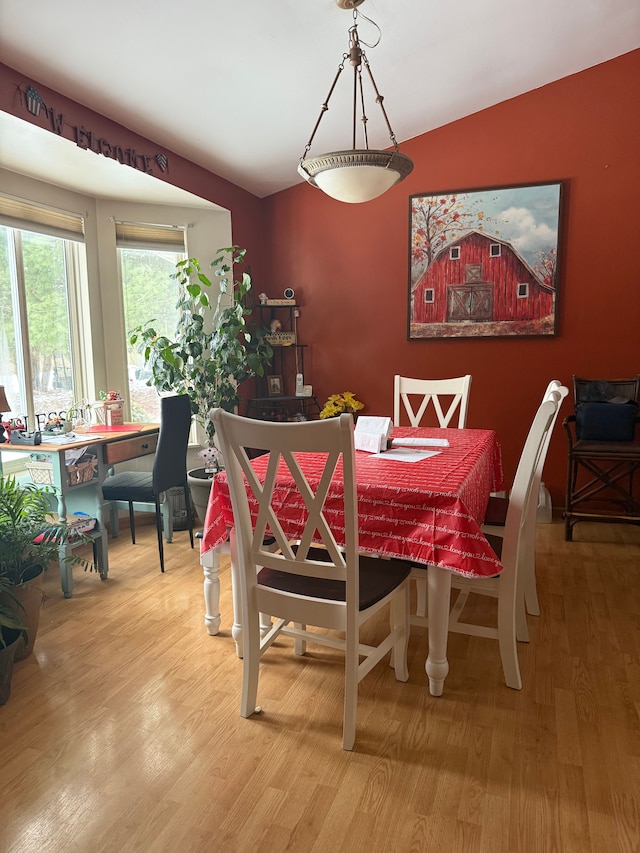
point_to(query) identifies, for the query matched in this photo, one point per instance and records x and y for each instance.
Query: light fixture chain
(364, 118)
(325, 106)
(380, 101)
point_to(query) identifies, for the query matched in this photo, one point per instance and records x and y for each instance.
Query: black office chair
(169, 469)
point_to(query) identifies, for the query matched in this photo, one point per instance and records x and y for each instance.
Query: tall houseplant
(215, 348)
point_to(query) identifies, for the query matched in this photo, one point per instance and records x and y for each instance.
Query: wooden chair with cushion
(496, 516)
(414, 396)
(327, 585)
(505, 587)
(169, 470)
(603, 453)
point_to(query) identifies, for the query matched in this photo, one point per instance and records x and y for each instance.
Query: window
(42, 266)
(495, 250)
(148, 255)
(454, 253)
(523, 290)
(428, 294)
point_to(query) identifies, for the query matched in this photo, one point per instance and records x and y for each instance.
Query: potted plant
(214, 350)
(12, 632)
(29, 541)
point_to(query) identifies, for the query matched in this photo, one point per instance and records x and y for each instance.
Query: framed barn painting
(484, 263)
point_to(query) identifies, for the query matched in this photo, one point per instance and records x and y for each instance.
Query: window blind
(27, 216)
(137, 235)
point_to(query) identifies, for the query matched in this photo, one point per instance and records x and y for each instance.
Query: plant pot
(200, 485)
(30, 597)
(11, 637)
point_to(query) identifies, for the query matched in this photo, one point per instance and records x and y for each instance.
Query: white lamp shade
(356, 176)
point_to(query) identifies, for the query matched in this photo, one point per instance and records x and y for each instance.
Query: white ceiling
(237, 86)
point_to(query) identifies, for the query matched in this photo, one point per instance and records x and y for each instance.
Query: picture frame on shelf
(484, 262)
(274, 385)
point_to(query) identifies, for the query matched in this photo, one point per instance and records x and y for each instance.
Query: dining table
(424, 504)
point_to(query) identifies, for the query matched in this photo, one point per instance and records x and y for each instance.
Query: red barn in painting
(480, 278)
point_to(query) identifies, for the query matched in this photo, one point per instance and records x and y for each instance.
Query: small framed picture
(274, 386)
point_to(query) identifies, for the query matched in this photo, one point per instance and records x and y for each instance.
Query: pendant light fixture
(357, 174)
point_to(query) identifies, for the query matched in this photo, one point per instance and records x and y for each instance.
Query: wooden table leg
(210, 562)
(437, 666)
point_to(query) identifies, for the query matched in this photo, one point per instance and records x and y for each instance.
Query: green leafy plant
(28, 536)
(214, 350)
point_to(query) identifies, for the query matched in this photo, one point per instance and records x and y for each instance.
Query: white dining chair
(505, 587)
(447, 396)
(496, 515)
(324, 585)
(413, 396)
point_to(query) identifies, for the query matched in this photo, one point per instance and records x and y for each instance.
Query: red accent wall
(349, 264)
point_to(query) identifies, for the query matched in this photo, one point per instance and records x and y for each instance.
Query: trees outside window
(37, 355)
(149, 292)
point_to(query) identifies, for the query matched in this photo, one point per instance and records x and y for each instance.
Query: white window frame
(77, 305)
(522, 290)
(429, 294)
(77, 302)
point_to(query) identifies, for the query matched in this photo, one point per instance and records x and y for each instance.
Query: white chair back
(528, 546)
(506, 586)
(315, 577)
(415, 395)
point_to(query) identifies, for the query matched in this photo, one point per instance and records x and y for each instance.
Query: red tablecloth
(429, 512)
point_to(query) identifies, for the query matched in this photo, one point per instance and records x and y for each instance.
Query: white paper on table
(70, 438)
(420, 442)
(372, 442)
(407, 454)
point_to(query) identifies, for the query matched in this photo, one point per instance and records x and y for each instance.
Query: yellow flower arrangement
(339, 403)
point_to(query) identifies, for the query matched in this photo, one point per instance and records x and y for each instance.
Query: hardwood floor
(123, 732)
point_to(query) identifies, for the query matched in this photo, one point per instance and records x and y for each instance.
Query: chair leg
(400, 621)
(250, 664)
(421, 592)
(114, 522)
(299, 644)
(350, 691)
(187, 503)
(527, 562)
(507, 608)
(132, 523)
(530, 586)
(522, 628)
(160, 531)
